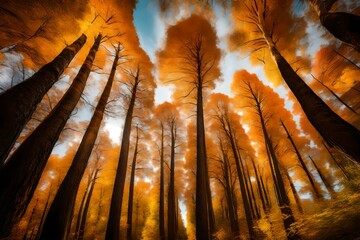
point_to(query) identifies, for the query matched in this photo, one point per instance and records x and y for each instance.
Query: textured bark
(26, 165)
(334, 130)
(172, 226)
(344, 26)
(58, 221)
(18, 103)
(113, 225)
(161, 207)
(87, 205)
(303, 165)
(131, 189)
(324, 180)
(293, 189)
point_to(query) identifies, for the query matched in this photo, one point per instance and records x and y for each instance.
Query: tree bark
(87, 204)
(18, 103)
(131, 189)
(161, 207)
(26, 165)
(172, 227)
(58, 222)
(334, 130)
(344, 26)
(113, 225)
(303, 165)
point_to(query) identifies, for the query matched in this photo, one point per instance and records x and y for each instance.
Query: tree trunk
(342, 169)
(58, 222)
(131, 189)
(113, 225)
(334, 130)
(283, 200)
(232, 211)
(87, 204)
(293, 189)
(161, 207)
(324, 180)
(344, 26)
(260, 189)
(26, 165)
(78, 219)
(202, 201)
(30, 220)
(171, 194)
(18, 103)
(309, 176)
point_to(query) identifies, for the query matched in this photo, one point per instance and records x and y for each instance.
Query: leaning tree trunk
(87, 205)
(344, 26)
(301, 160)
(18, 103)
(58, 221)
(161, 207)
(171, 194)
(26, 165)
(202, 201)
(324, 180)
(293, 189)
(131, 189)
(83, 199)
(113, 225)
(334, 130)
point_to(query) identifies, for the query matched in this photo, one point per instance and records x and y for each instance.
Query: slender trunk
(58, 222)
(230, 201)
(26, 165)
(80, 212)
(131, 189)
(293, 189)
(260, 189)
(113, 225)
(283, 200)
(18, 103)
(342, 169)
(336, 96)
(171, 194)
(87, 204)
(210, 205)
(257, 211)
(309, 176)
(161, 207)
(324, 180)
(344, 26)
(334, 130)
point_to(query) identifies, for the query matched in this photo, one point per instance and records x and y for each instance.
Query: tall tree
(344, 26)
(58, 221)
(26, 165)
(303, 165)
(335, 131)
(295, 193)
(172, 222)
(162, 197)
(18, 103)
(113, 225)
(228, 129)
(129, 225)
(283, 200)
